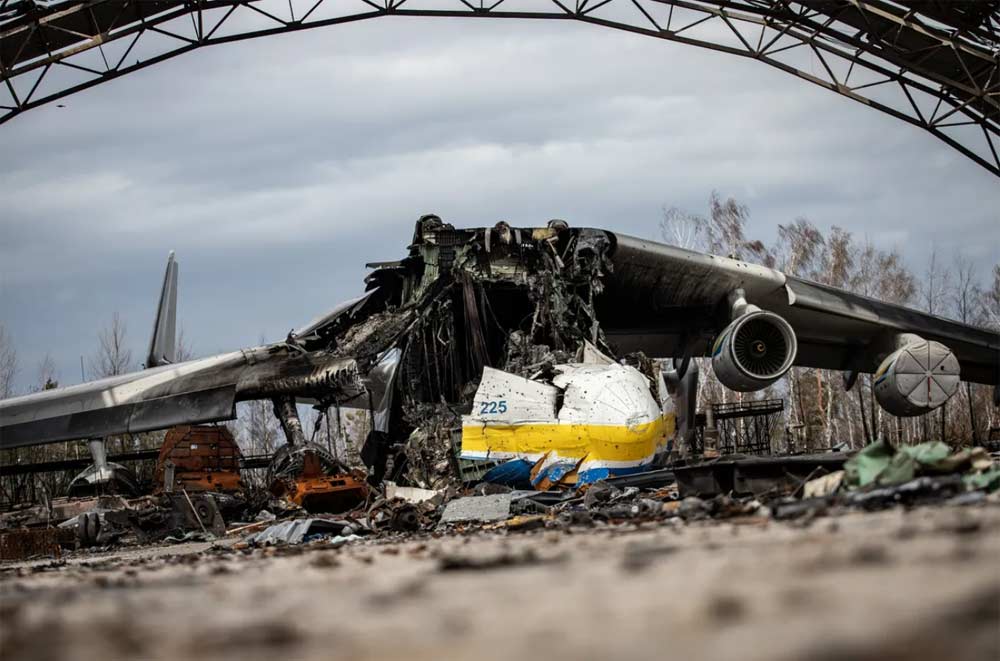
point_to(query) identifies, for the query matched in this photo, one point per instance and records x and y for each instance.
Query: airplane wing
(192, 392)
(659, 298)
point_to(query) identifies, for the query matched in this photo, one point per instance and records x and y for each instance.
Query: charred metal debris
(491, 399)
(518, 300)
(409, 354)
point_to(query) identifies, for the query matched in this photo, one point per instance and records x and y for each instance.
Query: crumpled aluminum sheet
(296, 530)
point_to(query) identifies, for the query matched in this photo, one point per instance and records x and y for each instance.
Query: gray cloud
(278, 167)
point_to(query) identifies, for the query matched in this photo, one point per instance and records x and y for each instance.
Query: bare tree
(835, 263)
(8, 363)
(966, 294)
(937, 284)
(894, 282)
(257, 429)
(993, 300)
(991, 305)
(48, 377)
(726, 224)
(183, 350)
(967, 298)
(682, 229)
(723, 232)
(113, 357)
(798, 245)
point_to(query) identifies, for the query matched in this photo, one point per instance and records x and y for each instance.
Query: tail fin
(162, 346)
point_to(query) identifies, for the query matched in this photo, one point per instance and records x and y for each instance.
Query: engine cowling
(917, 378)
(754, 351)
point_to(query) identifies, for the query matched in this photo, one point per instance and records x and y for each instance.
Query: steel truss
(743, 427)
(932, 63)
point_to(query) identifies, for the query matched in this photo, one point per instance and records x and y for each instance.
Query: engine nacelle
(754, 351)
(918, 377)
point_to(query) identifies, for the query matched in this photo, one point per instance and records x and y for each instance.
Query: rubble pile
(965, 477)
(877, 477)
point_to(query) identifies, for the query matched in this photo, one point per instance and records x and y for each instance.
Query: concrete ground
(918, 584)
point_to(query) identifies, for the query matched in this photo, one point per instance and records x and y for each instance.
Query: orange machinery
(204, 458)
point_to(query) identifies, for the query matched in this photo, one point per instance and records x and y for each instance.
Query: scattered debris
(413, 494)
(505, 558)
(310, 478)
(297, 531)
(478, 508)
(757, 476)
(823, 486)
(28, 543)
(639, 556)
(881, 464)
(920, 491)
(807, 509)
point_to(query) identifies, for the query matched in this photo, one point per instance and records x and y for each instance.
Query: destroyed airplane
(529, 344)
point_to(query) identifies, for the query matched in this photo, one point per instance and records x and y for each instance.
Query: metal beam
(935, 65)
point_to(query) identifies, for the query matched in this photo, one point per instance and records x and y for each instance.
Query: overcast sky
(277, 167)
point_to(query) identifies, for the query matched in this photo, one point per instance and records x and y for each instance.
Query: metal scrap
(297, 531)
(412, 494)
(309, 477)
(478, 508)
(204, 458)
(28, 543)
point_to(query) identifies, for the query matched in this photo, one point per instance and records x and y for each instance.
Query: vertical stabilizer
(163, 344)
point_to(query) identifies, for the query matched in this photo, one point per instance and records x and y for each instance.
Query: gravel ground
(917, 584)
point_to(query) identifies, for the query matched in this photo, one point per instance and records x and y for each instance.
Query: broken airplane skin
(594, 421)
(524, 301)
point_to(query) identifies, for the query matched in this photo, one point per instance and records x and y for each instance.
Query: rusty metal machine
(200, 458)
(309, 477)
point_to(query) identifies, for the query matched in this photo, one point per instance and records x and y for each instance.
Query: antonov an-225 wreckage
(534, 343)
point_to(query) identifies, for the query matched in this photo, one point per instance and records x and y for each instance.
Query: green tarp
(881, 464)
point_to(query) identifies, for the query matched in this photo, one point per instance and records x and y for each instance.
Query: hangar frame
(934, 64)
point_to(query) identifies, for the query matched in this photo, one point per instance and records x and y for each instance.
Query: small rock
(869, 554)
(726, 608)
(639, 556)
(693, 508)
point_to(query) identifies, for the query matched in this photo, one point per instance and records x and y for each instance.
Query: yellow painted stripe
(596, 442)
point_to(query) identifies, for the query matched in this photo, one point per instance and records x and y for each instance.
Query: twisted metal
(932, 63)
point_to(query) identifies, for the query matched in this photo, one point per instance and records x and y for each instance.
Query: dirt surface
(918, 584)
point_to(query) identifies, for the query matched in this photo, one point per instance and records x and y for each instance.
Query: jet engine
(917, 377)
(754, 351)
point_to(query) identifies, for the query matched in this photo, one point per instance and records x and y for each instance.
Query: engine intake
(917, 378)
(754, 351)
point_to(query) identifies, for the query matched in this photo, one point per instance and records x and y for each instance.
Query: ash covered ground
(901, 583)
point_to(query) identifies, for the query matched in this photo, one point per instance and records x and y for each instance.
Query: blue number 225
(494, 406)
